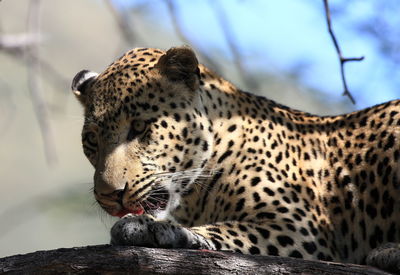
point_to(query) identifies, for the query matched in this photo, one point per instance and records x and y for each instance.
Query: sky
(280, 36)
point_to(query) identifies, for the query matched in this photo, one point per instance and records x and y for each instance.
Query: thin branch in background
(342, 59)
(17, 43)
(174, 15)
(232, 45)
(37, 98)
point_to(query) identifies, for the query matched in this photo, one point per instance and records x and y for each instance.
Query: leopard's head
(146, 131)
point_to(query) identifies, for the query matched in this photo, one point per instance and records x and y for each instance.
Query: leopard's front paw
(386, 257)
(134, 230)
(145, 231)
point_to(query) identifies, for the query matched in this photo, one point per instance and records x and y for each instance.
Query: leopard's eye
(137, 127)
(89, 142)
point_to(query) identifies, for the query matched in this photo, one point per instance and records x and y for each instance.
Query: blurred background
(279, 49)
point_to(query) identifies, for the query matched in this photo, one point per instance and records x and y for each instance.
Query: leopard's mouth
(156, 200)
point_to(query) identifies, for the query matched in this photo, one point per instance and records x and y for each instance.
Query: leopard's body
(242, 172)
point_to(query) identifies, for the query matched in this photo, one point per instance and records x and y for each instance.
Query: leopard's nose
(106, 183)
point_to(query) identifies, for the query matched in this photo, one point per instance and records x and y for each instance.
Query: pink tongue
(123, 212)
(138, 211)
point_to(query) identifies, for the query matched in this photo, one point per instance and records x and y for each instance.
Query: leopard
(185, 159)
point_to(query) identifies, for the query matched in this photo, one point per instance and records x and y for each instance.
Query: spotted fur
(224, 169)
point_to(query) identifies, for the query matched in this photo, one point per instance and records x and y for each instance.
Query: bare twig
(173, 13)
(38, 101)
(17, 42)
(232, 45)
(342, 59)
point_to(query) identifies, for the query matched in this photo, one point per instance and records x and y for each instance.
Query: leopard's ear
(180, 64)
(81, 82)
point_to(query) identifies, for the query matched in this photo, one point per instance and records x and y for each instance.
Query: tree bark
(139, 260)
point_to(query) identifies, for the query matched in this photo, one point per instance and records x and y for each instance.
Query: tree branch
(342, 59)
(107, 259)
